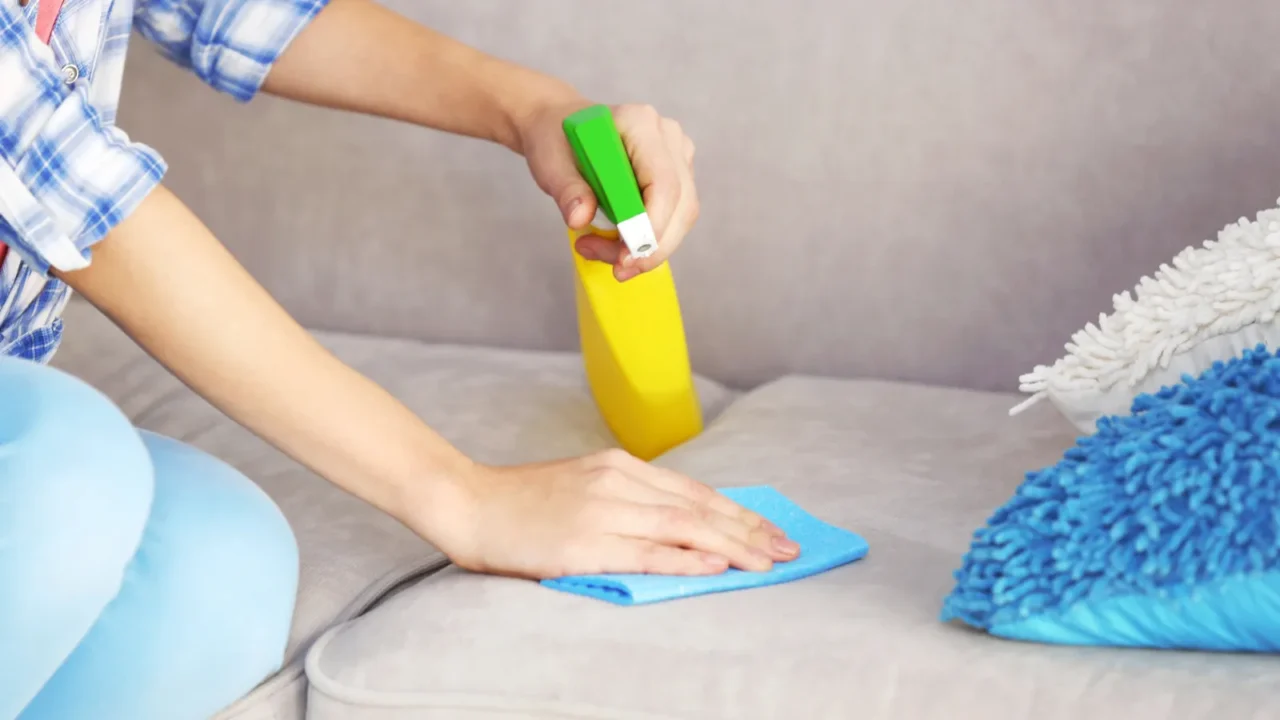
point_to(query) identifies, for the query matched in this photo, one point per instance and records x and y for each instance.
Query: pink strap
(46, 16)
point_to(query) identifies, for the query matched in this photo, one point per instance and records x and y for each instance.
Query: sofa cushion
(498, 406)
(911, 468)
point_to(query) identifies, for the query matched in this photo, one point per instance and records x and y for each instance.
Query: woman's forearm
(164, 278)
(357, 55)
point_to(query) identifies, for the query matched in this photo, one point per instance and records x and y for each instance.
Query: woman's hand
(606, 513)
(361, 56)
(662, 156)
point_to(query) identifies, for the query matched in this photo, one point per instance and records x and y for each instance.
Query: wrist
(439, 500)
(525, 98)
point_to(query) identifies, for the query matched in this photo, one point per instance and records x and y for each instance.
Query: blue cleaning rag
(822, 547)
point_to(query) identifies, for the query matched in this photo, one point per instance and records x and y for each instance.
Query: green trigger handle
(603, 162)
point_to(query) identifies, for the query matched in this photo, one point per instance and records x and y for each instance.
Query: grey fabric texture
(497, 406)
(915, 470)
(963, 184)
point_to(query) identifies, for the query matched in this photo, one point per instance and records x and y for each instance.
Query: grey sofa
(905, 205)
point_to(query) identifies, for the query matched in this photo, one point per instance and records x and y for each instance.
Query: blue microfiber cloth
(822, 547)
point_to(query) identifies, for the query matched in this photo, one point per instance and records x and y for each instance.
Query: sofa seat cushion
(913, 469)
(497, 406)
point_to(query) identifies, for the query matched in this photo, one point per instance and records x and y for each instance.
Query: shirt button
(70, 74)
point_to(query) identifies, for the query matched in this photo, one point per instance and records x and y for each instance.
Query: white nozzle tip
(638, 235)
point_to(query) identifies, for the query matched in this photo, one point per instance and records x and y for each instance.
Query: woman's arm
(167, 282)
(359, 56)
(162, 277)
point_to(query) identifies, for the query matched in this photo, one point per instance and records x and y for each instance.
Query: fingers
(686, 487)
(606, 250)
(727, 516)
(631, 555)
(577, 204)
(697, 492)
(637, 491)
(662, 156)
(699, 515)
(644, 136)
(558, 177)
(685, 213)
(680, 527)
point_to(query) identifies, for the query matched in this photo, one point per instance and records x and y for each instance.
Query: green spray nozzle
(605, 165)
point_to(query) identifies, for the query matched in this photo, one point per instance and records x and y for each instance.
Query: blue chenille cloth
(1161, 530)
(822, 547)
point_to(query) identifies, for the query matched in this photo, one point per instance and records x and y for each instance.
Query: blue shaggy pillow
(1161, 530)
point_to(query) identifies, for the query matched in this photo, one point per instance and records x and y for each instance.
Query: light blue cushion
(1161, 530)
(139, 577)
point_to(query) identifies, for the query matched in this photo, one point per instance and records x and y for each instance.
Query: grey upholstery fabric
(962, 183)
(915, 470)
(498, 406)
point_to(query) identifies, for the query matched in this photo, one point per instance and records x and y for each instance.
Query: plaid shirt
(67, 174)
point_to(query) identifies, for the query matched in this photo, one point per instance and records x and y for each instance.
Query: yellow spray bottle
(632, 334)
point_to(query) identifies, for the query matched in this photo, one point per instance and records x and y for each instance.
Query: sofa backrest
(918, 190)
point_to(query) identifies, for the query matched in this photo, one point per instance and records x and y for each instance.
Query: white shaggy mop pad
(1214, 303)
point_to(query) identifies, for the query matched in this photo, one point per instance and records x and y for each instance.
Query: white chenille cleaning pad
(1214, 303)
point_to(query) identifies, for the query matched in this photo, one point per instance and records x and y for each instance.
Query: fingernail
(573, 205)
(715, 562)
(588, 253)
(786, 547)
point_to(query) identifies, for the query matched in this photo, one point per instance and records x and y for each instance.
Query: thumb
(577, 204)
(561, 180)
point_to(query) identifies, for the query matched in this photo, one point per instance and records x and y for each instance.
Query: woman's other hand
(606, 513)
(662, 156)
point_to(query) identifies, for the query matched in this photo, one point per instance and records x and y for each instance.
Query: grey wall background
(916, 190)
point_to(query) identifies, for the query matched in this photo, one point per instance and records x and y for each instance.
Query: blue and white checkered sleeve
(229, 44)
(66, 177)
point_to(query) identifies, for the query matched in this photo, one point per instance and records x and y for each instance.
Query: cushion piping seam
(350, 696)
(287, 677)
